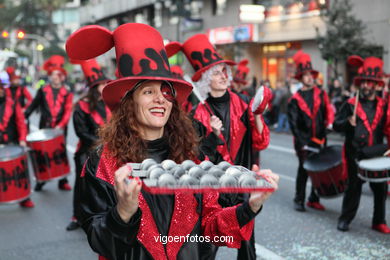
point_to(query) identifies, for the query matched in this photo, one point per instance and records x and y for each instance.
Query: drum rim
(12, 157)
(373, 179)
(43, 130)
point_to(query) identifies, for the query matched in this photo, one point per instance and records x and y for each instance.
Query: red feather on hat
(355, 61)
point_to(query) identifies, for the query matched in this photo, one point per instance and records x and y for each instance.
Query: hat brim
(94, 84)
(198, 74)
(115, 90)
(241, 81)
(358, 80)
(50, 71)
(298, 76)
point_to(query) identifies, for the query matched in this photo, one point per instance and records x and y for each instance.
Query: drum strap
(305, 108)
(363, 116)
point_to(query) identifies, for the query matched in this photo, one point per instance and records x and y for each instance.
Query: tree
(344, 36)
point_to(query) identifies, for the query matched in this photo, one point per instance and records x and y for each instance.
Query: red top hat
(202, 55)
(241, 72)
(92, 72)
(140, 55)
(172, 48)
(303, 62)
(370, 68)
(55, 62)
(11, 73)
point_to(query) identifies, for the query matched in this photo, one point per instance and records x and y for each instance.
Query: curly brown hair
(121, 137)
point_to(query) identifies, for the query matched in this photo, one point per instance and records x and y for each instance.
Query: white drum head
(375, 164)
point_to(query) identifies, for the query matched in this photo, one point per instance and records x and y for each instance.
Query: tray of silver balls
(169, 177)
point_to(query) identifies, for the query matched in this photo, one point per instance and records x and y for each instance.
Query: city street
(281, 232)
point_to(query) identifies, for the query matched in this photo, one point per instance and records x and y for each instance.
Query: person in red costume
(19, 92)
(122, 220)
(54, 103)
(309, 114)
(230, 125)
(13, 127)
(364, 130)
(89, 114)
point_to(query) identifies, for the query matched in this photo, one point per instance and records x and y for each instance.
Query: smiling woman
(122, 220)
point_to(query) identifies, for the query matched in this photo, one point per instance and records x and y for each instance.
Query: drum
(48, 155)
(374, 169)
(14, 178)
(326, 171)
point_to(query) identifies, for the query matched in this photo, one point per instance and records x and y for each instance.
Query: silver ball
(168, 164)
(216, 171)
(247, 180)
(187, 164)
(155, 173)
(177, 171)
(147, 163)
(233, 171)
(206, 165)
(228, 181)
(224, 165)
(196, 172)
(208, 180)
(166, 180)
(187, 180)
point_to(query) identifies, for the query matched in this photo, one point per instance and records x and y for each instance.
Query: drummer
(366, 129)
(119, 218)
(54, 103)
(18, 91)
(309, 114)
(13, 127)
(89, 114)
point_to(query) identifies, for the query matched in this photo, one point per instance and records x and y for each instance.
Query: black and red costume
(55, 106)
(86, 124)
(181, 214)
(13, 128)
(370, 131)
(309, 114)
(22, 95)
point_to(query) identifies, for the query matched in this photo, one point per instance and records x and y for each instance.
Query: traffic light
(5, 34)
(20, 34)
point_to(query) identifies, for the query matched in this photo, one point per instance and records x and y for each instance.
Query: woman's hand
(257, 199)
(216, 125)
(127, 193)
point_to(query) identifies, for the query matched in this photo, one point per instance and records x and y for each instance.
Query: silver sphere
(208, 180)
(196, 172)
(233, 171)
(177, 171)
(224, 165)
(247, 180)
(155, 173)
(216, 171)
(166, 180)
(187, 164)
(228, 181)
(168, 164)
(206, 165)
(147, 163)
(187, 180)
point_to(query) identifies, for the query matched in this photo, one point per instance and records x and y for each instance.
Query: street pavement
(281, 232)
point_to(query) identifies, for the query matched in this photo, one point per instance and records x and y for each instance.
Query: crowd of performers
(147, 112)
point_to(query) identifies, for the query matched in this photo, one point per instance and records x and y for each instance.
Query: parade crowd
(152, 110)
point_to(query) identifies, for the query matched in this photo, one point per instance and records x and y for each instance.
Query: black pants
(300, 184)
(353, 193)
(79, 158)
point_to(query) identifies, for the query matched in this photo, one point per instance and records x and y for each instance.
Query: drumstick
(386, 153)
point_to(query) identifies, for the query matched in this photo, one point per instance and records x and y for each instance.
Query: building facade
(267, 38)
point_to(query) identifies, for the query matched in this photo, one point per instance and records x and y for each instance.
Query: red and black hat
(202, 55)
(303, 63)
(370, 68)
(55, 62)
(12, 73)
(92, 72)
(241, 72)
(140, 55)
(172, 48)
